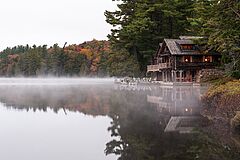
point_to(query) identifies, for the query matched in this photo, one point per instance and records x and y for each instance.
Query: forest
(86, 59)
(138, 26)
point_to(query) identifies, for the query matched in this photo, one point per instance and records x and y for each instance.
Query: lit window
(187, 59)
(207, 59)
(187, 47)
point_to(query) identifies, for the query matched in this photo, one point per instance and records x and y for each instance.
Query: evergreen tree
(73, 60)
(122, 64)
(140, 25)
(219, 20)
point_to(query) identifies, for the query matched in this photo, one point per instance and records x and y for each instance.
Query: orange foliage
(91, 50)
(88, 53)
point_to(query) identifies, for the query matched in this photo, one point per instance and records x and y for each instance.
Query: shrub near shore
(221, 105)
(223, 100)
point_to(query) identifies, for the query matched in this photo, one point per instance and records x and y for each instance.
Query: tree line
(138, 28)
(140, 25)
(86, 59)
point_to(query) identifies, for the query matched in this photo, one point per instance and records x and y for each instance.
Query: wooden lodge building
(181, 60)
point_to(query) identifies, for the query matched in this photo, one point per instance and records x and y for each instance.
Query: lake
(95, 119)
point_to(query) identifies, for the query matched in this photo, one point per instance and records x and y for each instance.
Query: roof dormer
(188, 47)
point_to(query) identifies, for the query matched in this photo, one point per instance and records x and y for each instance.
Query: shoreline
(221, 106)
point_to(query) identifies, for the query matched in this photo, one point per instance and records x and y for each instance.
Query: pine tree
(219, 20)
(140, 25)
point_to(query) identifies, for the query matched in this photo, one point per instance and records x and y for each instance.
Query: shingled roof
(174, 48)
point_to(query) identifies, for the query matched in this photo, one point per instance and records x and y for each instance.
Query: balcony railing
(153, 68)
(194, 64)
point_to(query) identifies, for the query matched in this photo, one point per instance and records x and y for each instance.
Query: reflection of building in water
(182, 124)
(181, 103)
(133, 87)
(176, 100)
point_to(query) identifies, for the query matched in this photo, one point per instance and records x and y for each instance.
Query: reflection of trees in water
(85, 99)
(138, 134)
(137, 125)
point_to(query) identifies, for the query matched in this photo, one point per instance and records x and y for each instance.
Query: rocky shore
(221, 106)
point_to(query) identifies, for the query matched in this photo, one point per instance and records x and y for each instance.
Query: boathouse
(181, 60)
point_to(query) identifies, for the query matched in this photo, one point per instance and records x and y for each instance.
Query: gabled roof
(174, 48)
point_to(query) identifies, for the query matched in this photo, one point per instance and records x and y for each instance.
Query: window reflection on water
(147, 122)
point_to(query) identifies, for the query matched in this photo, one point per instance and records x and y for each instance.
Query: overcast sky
(52, 21)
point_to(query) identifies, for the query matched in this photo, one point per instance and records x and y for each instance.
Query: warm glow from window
(207, 59)
(187, 59)
(187, 47)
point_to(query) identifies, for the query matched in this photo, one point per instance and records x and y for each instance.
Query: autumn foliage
(84, 59)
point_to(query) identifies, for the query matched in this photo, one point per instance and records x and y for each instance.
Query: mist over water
(84, 118)
(54, 81)
(73, 94)
(31, 129)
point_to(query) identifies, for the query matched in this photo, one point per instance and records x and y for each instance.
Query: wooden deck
(158, 67)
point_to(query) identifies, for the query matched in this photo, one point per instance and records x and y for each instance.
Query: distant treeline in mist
(86, 59)
(138, 28)
(92, 58)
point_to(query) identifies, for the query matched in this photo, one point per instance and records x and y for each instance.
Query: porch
(187, 76)
(158, 67)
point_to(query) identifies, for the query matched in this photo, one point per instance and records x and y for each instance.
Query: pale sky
(52, 21)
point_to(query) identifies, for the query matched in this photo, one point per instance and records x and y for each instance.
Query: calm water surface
(93, 119)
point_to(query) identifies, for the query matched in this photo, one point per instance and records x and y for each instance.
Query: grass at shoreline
(229, 88)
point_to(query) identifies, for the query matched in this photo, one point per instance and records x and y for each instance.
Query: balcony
(158, 67)
(195, 64)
